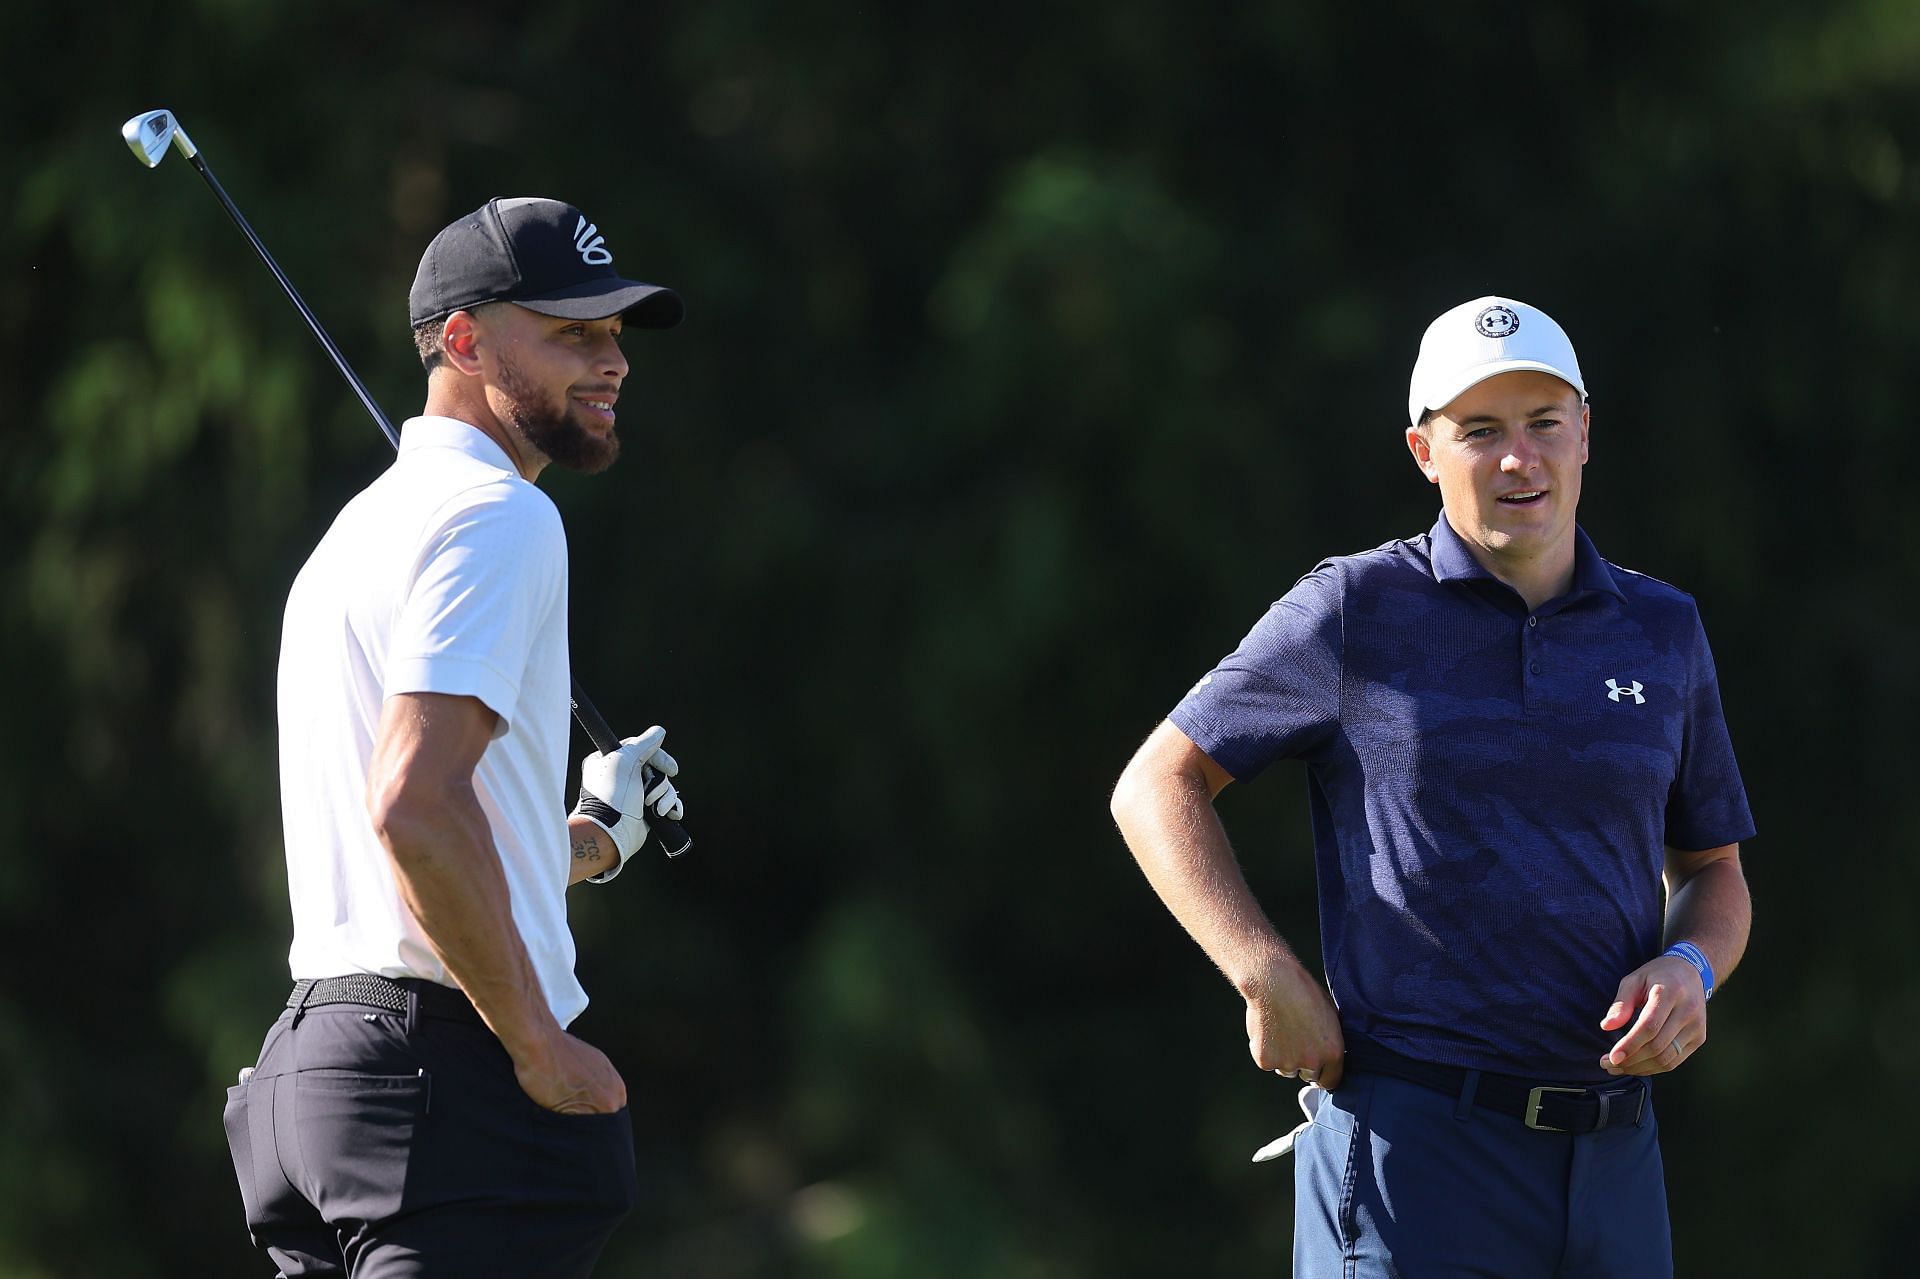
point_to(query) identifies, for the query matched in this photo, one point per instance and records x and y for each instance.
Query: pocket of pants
(579, 1118)
(240, 1148)
(356, 1138)
(601, 1143)
(1335, 1111)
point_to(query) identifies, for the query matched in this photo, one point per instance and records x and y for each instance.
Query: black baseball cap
(544, 255)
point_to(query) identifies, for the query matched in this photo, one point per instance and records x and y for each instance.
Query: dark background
(1031, 352)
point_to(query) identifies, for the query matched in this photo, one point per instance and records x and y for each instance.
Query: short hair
(427, 339)
(430, 338)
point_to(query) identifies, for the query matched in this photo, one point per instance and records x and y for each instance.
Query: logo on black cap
(592, 247)
(1497, 322)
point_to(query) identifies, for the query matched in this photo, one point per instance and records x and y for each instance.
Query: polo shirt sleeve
(1277, 696)
(1707, 806)
(490, 570)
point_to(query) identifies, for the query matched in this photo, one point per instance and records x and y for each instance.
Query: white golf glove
(1312, 1097)
(618, 792)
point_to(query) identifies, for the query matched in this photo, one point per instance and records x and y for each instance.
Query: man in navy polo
(1526, 818)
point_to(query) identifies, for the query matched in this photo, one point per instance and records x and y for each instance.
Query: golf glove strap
(618, 792)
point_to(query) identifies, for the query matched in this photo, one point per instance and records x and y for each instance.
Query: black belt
(1577, 1108)
(390, 993)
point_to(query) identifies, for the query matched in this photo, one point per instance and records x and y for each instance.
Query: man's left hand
(619, 794)
(1671, 1024)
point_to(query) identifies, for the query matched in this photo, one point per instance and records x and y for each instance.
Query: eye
(575, 330)
(1480, 433)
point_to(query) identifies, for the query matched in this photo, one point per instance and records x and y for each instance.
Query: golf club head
(149, 134)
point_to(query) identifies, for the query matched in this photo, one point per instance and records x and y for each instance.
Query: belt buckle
(1533, 1107)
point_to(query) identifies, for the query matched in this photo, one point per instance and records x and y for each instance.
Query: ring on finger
(1311, 1076)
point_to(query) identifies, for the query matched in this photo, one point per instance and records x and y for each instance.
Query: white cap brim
(1447, 392)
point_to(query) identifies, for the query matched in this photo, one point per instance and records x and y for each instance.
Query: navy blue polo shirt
(1492, 789)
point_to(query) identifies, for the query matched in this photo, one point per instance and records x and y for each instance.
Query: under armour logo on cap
(541, 254)
(1497, 322)
(1633, 690)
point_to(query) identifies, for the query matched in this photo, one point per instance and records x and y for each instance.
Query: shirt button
(1533, 667)
(1533, 621)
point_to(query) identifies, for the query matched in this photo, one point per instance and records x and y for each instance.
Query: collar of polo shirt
(1453, 562)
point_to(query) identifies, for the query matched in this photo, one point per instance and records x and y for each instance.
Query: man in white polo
(419, 1109)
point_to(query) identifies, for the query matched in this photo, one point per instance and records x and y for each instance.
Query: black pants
(384, 1145)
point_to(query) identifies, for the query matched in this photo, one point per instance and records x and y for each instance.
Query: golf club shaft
(299, 303)
(668, 835)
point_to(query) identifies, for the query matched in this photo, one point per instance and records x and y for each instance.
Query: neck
(446, 398)
(1536, 578)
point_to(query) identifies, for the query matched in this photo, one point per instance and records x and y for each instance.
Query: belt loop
(1463, 1107)
(1640, 1110)
(413, 1009)
(1606, 1104)
(304, 988)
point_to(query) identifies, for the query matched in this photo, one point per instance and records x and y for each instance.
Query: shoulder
(1653, 599)
(491, 523)
(517, 499)
(504, 501)
(1394, 563)
(1322, 596)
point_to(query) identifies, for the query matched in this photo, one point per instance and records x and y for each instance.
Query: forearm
(1170, 826)
(1711, 908)
(593, 849)
(450, 878)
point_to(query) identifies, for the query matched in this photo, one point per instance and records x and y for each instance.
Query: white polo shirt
(448, 574)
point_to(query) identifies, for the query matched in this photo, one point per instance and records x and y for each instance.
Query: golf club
(149, 134)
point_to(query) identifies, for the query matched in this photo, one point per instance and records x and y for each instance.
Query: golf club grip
(664, 835)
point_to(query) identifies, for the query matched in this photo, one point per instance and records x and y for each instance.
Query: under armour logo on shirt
(590, 244)
(1615, 692)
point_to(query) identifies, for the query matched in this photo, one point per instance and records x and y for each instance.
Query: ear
(1421, 447)
(461, 340)
(1586, 420)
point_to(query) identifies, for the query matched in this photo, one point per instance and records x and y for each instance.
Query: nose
(609, 360)
(1519, 460)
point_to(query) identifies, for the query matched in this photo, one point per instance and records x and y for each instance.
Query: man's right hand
(1293, 1028)
(572, 1077)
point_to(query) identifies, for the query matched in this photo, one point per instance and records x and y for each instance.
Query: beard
(552, 431)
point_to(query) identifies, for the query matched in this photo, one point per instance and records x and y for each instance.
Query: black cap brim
(647, 306)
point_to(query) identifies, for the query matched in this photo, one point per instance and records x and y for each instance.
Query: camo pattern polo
(1492, 790)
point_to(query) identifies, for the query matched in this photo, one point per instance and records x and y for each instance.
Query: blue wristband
(1698, 958)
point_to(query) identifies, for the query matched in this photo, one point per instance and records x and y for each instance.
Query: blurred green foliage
(1031, 352)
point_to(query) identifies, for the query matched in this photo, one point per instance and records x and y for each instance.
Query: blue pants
(1394, 1179)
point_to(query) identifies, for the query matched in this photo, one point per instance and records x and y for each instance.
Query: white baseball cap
(1482, 338)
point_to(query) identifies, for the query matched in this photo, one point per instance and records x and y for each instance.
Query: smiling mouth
(1528, 497)
(602, 409)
